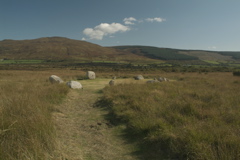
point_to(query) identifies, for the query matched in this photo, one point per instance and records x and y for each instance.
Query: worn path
(82, 131)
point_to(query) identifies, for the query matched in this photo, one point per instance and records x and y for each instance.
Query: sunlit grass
(212, 62)
(194, 118)
(26, 103)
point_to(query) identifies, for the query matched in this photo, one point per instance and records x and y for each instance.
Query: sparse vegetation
(193, 117)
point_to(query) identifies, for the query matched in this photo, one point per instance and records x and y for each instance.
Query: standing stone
(138, 77)
(74, 85)
(165, 79)
(162, 79)
(91, 75)
(55, 79)
(111, 83)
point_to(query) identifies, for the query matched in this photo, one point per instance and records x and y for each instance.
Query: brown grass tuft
(195, 118)
(26, 128)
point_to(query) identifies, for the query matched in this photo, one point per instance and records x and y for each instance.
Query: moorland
(195, 115)
(57, 52)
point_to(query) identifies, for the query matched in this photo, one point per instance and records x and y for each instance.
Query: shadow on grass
(145, 150)
(99, 91)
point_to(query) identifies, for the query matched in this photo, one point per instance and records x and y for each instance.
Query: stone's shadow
(99, 91)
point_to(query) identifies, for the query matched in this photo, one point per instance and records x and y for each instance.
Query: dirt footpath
(83, 133)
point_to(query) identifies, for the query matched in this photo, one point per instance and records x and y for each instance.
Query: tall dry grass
(196, 116)
(26, 103)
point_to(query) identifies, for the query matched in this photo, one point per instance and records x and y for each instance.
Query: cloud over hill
(106, 29)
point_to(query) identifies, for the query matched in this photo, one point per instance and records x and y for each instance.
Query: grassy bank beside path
(196, 116)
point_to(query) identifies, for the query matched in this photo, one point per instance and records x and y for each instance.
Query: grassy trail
(82, 131)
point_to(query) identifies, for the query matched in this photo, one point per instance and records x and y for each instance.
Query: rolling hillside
(234, 55)
(157, 53)
(58, 48)
(177, 54)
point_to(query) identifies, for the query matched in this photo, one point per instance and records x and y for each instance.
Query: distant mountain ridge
(157, 53)
(179, 54)
(59, 48)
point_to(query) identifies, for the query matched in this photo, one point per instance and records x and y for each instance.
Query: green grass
(212, 62)
(195, 117)
(157, 53)
(21, 61)
(235, 65)
(104, 61)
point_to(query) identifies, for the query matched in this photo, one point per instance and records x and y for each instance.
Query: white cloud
(104, 29)
(132, 20)
(156, 19)
(212, 47)
(129, 21)
(83, 39)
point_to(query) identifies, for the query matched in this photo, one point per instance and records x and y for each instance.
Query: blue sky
(182, 24)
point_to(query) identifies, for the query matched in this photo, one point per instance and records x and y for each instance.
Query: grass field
(211, 62)
(195, 116)
(26, 103)
(21, 61)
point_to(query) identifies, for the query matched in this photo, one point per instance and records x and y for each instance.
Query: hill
(157, 53)
(208, 55)
(58, 48)
(177, 54)
(234, 55)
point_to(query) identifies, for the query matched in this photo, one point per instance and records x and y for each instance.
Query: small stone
(111, 83)
(138, 77)
(91, 75)
(55, 79)
(74, 85)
